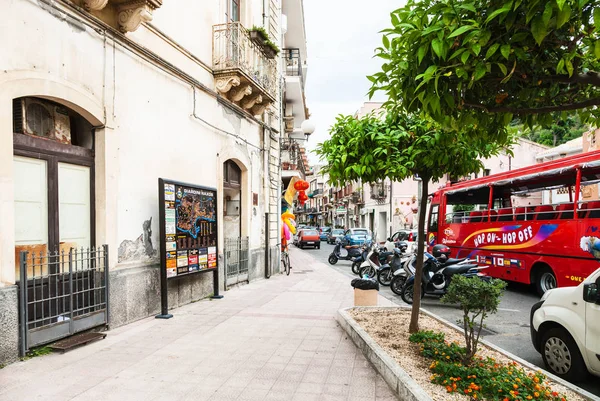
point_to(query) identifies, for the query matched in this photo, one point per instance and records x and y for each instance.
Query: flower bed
(490, 372)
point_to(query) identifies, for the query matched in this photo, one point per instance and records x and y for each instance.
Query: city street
(508, 329)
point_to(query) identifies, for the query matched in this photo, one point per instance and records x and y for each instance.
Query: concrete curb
(405, 387)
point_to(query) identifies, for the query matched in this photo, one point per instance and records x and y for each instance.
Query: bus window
(433, 219)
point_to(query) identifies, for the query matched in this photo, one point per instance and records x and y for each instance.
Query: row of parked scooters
(393, 266)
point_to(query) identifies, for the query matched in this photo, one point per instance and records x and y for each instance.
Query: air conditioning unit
(40, 118)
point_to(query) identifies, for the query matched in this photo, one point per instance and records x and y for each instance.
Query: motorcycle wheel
(356, 268)
(369, 271)
(384, 276)
(397, 284)
(332, 259)
(407, 293)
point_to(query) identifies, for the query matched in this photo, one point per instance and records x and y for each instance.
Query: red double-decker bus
(538, 225)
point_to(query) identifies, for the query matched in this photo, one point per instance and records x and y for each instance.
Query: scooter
(437, 276)
(409, 266)
(358, 261)
(399, 257)
(352, 251)
(376, 260)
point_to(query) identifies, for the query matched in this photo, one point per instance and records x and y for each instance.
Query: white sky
(341, 38)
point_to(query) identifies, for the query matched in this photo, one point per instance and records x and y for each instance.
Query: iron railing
(293, 63)
(62, 293)
(236, 260)
(379, 191)
(234, 50)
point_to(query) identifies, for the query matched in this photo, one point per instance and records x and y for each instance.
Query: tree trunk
(422, 237)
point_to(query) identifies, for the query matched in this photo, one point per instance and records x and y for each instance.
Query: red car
(309, 238)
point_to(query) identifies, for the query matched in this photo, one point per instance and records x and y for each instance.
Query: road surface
(508, 329)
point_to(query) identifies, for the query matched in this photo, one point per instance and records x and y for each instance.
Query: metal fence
(236, 260)
(61, 294)
(233, 49)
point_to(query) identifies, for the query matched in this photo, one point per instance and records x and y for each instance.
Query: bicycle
(285, 259)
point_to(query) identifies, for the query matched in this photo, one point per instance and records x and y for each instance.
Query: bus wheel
(546, 280)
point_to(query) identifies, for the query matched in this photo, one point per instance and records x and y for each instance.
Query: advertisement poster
(190, 228)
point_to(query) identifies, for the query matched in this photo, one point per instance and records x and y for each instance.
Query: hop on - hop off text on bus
(537, 225)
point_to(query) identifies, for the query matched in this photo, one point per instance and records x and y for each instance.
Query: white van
(565, 329)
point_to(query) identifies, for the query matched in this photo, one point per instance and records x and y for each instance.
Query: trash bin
(365, 291)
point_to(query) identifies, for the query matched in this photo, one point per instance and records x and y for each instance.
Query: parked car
(334, 235)
(324, 233)
(356, 236)
(407, 235)
(309, 237)
(565, 329)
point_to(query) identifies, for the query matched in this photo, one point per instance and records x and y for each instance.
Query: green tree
(477, 299)
(398, 147)
(474, 62)
(559, 132)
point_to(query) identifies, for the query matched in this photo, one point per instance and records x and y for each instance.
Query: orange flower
(449, 389)
(454, 386)
(515, 386)
(537, 387)
(447, 357)
(475, 396)
(536, 394)
(554, 394)
(536, 379)
(505, 399)
(529, 397)
(562, 399)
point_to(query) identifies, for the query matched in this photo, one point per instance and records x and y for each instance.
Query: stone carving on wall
(225, 83)
(249, 102)
(129, 13)
(237, 94)
(260, 108)
(95, 5)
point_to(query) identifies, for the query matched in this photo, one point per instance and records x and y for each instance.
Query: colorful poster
(169, 192)
(212, 257)
(193, 260)
(190, 228)
(182, 258)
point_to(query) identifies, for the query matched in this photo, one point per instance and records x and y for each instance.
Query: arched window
(53, 173)
(232, 175)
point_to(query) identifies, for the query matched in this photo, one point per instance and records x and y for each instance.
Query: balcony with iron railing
(293, 63)
(379, 191)
(243, 72)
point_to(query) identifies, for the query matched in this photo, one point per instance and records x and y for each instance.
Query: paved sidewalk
(274, 339)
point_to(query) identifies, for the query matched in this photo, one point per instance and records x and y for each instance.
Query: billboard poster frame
(187, 247)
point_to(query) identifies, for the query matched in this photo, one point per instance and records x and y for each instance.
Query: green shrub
(482, 379)
(477, 299)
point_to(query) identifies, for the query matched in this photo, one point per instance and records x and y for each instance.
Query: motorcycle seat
(452, 261)
(351, 246)
(458, 269)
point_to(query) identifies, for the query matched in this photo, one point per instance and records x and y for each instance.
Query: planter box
(257, 38)
(407, 388)
(269, 52)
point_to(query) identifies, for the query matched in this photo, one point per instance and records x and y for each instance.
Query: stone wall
(9, 324)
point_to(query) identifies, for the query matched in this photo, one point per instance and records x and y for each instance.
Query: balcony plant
(271, 50)
(259, 35)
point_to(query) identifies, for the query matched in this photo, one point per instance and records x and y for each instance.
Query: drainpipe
(391, 206)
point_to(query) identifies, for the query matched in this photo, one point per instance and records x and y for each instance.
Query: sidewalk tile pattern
(273, 339)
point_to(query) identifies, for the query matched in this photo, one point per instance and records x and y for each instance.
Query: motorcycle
(352, 251)
(357, 261)
(399, 257)
(409, 266)
(437, 275)
(376, 260)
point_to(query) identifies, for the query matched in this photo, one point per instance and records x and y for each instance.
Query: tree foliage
(477, 62)
(477, 299)
(559, 132)
(398, 147)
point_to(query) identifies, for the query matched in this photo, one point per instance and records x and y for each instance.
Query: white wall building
(100, 98)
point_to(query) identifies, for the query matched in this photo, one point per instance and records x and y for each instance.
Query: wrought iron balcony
(379, 191)
(357, 198)
(293, 63)
(243, 72)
